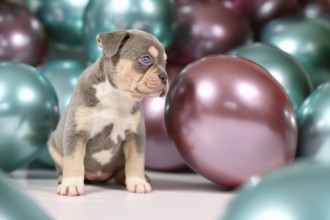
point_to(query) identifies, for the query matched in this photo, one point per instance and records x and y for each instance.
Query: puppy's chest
(115, 110)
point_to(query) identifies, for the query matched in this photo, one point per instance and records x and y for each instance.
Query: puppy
(101, 134)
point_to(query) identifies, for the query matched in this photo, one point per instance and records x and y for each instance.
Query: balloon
(63, 20)
(28, 113)
(305, 39)
(314, 129)
(153, 16)
(296, 192)
(22, 37)
(16, 205)
(63, 75)
(161, 153)
(285, 69)
(214, 29)
(260, 12)
(230, 119)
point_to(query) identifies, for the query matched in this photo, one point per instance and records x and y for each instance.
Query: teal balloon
(63, 20)
(283, 67)
(15, 205)
(314, 125)
(305, 39)
(28, 113)
(157, 17)
(63, 75)
(297, 192)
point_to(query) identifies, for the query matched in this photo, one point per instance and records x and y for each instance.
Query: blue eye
(145, 60)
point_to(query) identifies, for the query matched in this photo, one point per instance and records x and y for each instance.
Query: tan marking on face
(55, 154)
(164, 56)
(74, 165)
(153, 51)
(81, 118)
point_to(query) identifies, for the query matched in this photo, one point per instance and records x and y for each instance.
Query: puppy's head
(138, 60)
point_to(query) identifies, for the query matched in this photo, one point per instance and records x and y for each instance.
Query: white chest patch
(114, 108)
(103, 157)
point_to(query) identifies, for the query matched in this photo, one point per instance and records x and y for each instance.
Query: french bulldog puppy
(101, 134)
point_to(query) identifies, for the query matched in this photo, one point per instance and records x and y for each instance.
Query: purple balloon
(161, 153)
(22, 36)
(230, 119)
(205, 28)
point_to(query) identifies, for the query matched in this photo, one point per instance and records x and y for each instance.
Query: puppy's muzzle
(163, 78)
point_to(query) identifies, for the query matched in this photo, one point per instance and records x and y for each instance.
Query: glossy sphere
(284, 194)
(314, 126)
(283, 67)
(305, 39)
(28, 113)
(207, 28)
(161, 153)
(230, 119)
(22, 37)
(16, 205)
(260, 12)
(153, 16)
(63, 20)
(63, 75)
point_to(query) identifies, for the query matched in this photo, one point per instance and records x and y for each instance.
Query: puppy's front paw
(138, 185)
(72, 186)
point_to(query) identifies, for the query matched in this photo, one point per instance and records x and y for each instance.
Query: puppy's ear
(111, 42)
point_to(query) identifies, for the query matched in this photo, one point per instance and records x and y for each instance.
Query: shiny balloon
(305, 39)
(283, 67)
(15, 205)
(297, 192)
(207, 28)
(153, 16)
(314, 126)
(260, 12)
(63, 75)
(161, 153)
(22, 36)
(63, 20)
(28, 113)
(230, 119)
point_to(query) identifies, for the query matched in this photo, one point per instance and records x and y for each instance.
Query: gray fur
(65, 137)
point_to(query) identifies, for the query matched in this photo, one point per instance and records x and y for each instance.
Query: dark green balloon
(283, 67)
(63, 75)
(28, 113)
(63, 20)
(157, 17)
(297, 192)
(15, 205)
(305, 39)
(314, 124)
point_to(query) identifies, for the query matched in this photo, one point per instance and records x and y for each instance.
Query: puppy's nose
(163, 78)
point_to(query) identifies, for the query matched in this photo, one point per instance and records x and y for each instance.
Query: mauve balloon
(207, 28)
(161, 153)
(260, 12)
(22, 37)
(230, 119)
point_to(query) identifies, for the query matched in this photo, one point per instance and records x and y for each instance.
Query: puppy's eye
(145, 60)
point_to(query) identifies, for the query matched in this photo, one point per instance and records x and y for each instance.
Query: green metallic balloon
(157, 17)
(314, 125)
(283, 67)
(28, 113)
(15, 205)
(305, 39)
(63, 75)
(63, 20)
(297, 192)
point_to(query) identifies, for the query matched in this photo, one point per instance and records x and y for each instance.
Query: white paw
(138, 185)
(72, 186)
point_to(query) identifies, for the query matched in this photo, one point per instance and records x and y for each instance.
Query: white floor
(175, 196)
